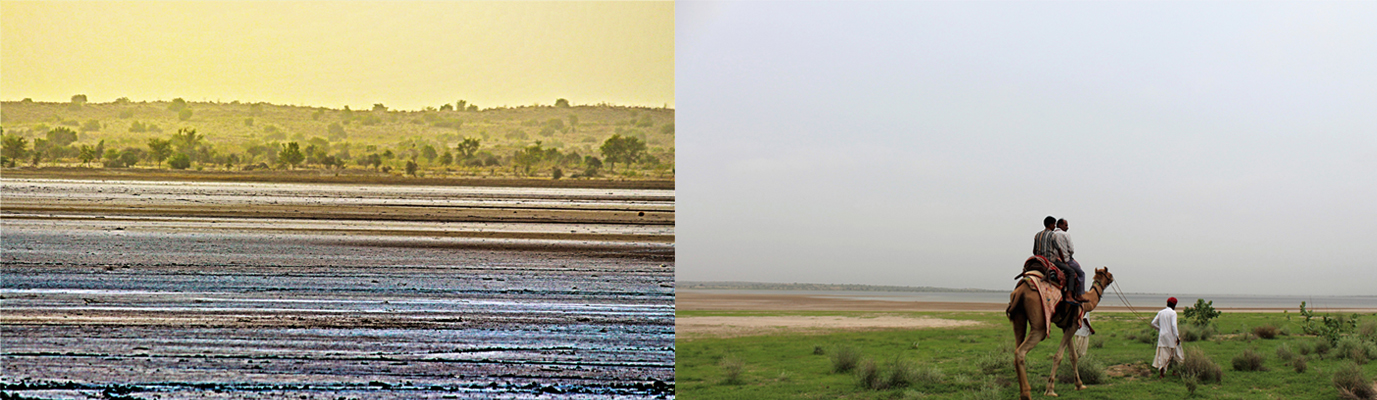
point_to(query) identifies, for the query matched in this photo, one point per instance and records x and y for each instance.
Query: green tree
(291, 154)
(468, 147)
(1201, 313)
(177, 105)
(473, 108)
(428, 152)
(622, 149)
(61, 136)
(184, 114)
(179, 161)
(447, 158)
(186, 140)
(15, 147)
(462, 105)
(447, 107)
(379, 107)
(40, 149)
(130, 156)
(562, 103)
(159, 149)
(88, 153)
(411, 167)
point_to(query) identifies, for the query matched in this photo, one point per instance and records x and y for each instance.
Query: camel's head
(1103, 276)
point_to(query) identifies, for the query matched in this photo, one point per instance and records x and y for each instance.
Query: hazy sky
(405, 54)
(1226, 148)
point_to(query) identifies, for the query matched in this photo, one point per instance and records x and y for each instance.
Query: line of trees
(186, 147)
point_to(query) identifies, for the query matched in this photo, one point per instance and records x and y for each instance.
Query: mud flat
(100, 297)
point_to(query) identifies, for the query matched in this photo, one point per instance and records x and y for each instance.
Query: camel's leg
(1075, 357)
(1020, 328)
(1025, 389)
(1056, 362)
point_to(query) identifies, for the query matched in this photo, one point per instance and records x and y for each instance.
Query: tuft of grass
(1352, 384)
(1201, 366)
(1267, 331)
(1092, 371)
(1305, 348)
(899, 373)
(1299, 364)
(1249, 360)
(1192, 382)
(1322, 346)
(732, 368)
(1285, 354)
(1368, 330)
(996, 361)
(1097, 342)
(868, 375)
(845, 358)
(817, 351)
(1355, 349)
(1193, 332)
(988, 392)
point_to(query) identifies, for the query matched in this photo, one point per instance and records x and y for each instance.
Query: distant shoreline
(823, 300)
(738, 285)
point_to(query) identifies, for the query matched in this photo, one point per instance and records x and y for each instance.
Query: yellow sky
(407, 55)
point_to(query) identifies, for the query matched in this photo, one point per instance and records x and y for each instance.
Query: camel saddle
(1057, 312)
(1049, 272)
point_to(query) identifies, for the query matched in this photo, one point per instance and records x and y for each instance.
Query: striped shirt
(1045, 244)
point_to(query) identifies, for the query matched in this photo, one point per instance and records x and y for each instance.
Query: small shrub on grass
(1092, 371)
(1299, 364)
(1192, 382)
(1268, 331)
(1322, 347)
(1148, 335)
(817, 351)
(1352, 384)
(1096, 342)
(869, 374)
(1305, 348)
(995, 361)
(732, 368)
(1352, 348)
(1249, 360)
(1368, 330)
(899, 373)
(845, 358)
(1284, 353)
(1193, 332)
(1201, 366)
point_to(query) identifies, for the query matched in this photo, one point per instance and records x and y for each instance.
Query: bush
(179, 161)
(1355, 349)
(1097, 342)
(1201, 313)
(1268, 331)
(1092, 371)
(1201, 366)
(995, 362)
(732, 368)
(1322, 347)
(1249, 360)
(900, 373)
(845, 358)
(1305, 348)
(1148, 335)
(817, 351)
(1352, 384)
(869, 374)
(1368, 330)
(1284, 353)
(1299, 364)
(1193, 332)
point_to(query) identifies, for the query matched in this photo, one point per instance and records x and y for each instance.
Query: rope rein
(1119, 292)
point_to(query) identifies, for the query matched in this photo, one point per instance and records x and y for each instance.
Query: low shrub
(845, 358)
(1201, 366)
(1249, 360)
(929, 375)
(1352, 384)
(1322, 346)
(1192, 332)
(1092, 371)
(1299, 364)
(869, 374)
(1354, 349)
(1097, 342)
(1305, 348)
(1148, 335)
(1192, 382)
(1368, 330)
(995, 362)
(817, 351)
(1284, 353)
(732, 368)
(899, 373)
(1268, 331)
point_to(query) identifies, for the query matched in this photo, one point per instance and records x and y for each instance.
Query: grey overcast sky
(1225, 148)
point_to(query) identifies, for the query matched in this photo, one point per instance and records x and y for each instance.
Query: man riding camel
(1069, 250)
(1045, 244)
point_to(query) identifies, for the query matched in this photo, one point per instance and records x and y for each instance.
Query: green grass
(785, 366)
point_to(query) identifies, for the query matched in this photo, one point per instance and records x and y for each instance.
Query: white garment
(1165, 356)
(1064, 241)
(1165, 324)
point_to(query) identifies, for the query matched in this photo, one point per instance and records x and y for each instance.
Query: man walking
(1168, 338)
(1077, 282)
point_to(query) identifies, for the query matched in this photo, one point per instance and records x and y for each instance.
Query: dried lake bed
(210, 290)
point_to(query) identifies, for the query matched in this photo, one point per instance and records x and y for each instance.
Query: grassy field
(974, 362)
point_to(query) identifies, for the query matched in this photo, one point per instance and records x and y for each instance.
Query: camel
(1025, 309)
